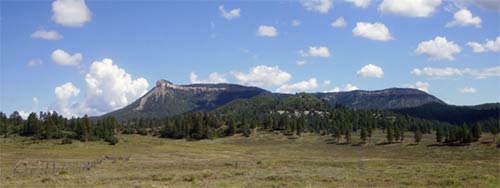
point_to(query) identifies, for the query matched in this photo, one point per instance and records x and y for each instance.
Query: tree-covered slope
(381, 99)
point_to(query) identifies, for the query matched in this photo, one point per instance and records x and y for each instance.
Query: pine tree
(439, 135)
(363, 134)
(348, 135)
(390, 135)
(418, 135)
(476, 131)
(494, 131)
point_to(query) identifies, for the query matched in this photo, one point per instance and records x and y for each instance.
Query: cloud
(449, 72)
(409, 8)
(262, 76)
(60, 57)
(35, 100)
(316, 51)
(422, 86)
(46, 34)
(267, 31)
(229, 15)
(66, 91)
(438, 49)
(339, 22)
(371, 71)
(63, 93)
(464, 17)
(213, 78)
(350, 87)
(299, 86)
(360, 3)
(72, 13)
(374, 31)
(468, 90)
(302, 62)
(296, 22)
(34, 62)
(490, 45)
(347, 87)
(109, 87)
(24, 114)
(321, 6)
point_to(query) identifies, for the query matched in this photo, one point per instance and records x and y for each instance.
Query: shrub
(111, 140)
(66, 140)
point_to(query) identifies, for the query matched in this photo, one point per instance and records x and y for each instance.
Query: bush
(111, 140)
(66, 140)
(142, 132)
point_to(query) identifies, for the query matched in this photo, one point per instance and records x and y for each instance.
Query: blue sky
(110, 53)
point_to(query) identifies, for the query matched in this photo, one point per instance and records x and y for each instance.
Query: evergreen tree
(439, 135)
(418, 135)
(390, 134)
(363, 134)
(476, 132)
(31, 127)
(347, 135)
(494, 131)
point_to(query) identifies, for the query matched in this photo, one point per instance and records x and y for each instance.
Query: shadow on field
(383, 143)
(448, 144)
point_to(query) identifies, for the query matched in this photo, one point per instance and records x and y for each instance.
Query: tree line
(51, 125)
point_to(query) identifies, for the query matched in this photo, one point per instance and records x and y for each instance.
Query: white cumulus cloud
(63, 93)
(468, 90)
(374, 31)
(490, 45)
(316, 51)
(109, 87)
(371, 71)
(350, 87)
(450, 72)
(299, 86)
(423, 86)
(267, 31)
(231, 14)
(438, 48)
(339, 22)
(409, 8)
(72, 13)
(464, 17)
(46, 34)
(321, 6)
(61, 57)
(263, 76)
(213, 78)
(360, 3)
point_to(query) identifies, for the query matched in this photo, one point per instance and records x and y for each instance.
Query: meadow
(262, 160)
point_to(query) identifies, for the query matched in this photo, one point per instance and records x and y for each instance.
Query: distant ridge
(167, 99)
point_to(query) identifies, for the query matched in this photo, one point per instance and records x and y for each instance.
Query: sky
(91, 57)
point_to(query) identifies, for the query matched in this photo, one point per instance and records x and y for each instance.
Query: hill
(380, 99)
(167, 99)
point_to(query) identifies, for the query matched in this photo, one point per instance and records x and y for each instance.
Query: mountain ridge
(168, 99)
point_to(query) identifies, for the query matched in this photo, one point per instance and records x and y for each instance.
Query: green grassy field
(263, 160)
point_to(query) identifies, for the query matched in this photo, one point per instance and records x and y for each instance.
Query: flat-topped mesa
(163, 83)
